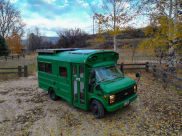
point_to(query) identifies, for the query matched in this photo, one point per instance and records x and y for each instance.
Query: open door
(78, 77)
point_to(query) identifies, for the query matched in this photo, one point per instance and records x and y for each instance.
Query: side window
(48, 68)
(45, 67)
(81, 71)
(74, 70)
(63, 72)
(41, 66)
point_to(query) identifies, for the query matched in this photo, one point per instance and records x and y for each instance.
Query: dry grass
(29, 60)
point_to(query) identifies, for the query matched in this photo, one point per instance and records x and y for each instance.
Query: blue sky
(53, 15)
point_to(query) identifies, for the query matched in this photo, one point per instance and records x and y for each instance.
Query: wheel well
(50, 89)
(92, 100)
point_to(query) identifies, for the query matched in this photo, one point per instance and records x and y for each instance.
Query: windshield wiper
(103, 80)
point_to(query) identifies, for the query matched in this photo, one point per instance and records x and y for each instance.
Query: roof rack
(53, 51)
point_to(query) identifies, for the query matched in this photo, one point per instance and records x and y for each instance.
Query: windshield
(107, 73)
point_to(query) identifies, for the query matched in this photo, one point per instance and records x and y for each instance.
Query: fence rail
(157, 72)
(12, 57)
(20, 70)
(144, 66)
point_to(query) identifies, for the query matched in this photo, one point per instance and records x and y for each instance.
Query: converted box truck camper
(87, 79)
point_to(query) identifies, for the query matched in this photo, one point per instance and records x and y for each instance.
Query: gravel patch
(27, 110)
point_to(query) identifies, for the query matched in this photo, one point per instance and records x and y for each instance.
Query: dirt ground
(26, 110)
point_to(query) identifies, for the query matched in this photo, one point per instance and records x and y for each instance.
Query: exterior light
(112, 98)
(135, 89)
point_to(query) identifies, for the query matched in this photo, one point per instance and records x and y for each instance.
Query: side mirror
(137, 74)
(92, 75)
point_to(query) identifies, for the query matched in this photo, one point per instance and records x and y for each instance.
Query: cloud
(13, 1)
(83, 3)
(51, 26)
(49, 1)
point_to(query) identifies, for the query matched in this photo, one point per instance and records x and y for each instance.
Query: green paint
(75, 87)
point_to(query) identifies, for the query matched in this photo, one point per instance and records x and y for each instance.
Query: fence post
(164, 77)
(147, 66)
(19, 71)
(5, 58)
(154, 70)
(25, 71)
(121, 67)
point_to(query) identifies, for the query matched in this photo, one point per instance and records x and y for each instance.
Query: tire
(52, 95)
(97, 109)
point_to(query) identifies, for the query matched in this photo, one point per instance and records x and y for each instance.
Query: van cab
(87, 79)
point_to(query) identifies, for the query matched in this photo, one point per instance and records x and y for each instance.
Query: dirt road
(27, 110)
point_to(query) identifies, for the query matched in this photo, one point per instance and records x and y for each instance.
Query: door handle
(77, 79)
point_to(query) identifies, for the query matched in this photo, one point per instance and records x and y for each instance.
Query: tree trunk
(171, 61)
(115, 43)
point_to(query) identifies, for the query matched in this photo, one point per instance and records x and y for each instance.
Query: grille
(120, 96)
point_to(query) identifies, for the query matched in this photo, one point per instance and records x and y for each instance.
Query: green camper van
(87, 79)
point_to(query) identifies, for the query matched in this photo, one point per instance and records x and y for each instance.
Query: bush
(3, 48)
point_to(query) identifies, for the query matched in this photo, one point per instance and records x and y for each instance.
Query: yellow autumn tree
(159, 35)
(14, 43)
(164, 34)
(114, 15)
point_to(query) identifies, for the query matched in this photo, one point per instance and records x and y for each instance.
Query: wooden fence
(12, 57)
(135, 66)
(157, 72)
(167, 77)
(20, 70)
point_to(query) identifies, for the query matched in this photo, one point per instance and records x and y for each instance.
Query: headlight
(112, 98)
(135, 89)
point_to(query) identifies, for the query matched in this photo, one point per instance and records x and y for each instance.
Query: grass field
(29, 60)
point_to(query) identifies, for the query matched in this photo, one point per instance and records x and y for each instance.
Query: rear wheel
(97, 109)
(52, 95)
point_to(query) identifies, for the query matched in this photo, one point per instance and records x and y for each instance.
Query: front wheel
(97, 109)
(53, 95)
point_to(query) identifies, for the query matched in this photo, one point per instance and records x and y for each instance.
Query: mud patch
(22, 94)
(38, 98)
(5, 92)
(70, 120)
(2, 101)
(30, 116)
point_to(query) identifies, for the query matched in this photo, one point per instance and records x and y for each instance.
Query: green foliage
(3, 48)
(160, 34)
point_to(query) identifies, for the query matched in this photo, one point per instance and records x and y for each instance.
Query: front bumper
(120, 105)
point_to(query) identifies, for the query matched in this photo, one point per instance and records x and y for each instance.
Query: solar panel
(53, 51)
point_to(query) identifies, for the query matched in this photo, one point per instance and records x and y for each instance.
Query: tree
(14, 43)
(34, 40)
(10, 19)
(74, 38)
(114, 15)
(3, 48)
(164, 33)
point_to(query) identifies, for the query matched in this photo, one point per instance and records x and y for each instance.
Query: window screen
(41, 66)
(48, 68)
(63, 71)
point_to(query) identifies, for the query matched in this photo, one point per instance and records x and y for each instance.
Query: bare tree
(34, 40)
(10, 19)
(114, 15)
(75, 38)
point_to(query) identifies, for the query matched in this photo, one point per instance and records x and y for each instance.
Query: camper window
(63, 71)
(41, 66)
(48, 68)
